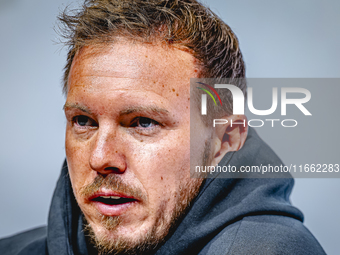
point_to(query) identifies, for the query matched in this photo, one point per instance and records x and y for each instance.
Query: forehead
(157, 66)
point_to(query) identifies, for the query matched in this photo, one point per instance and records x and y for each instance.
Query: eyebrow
(76, 106)
(148, 109)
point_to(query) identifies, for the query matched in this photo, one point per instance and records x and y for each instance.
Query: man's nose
(106, 154)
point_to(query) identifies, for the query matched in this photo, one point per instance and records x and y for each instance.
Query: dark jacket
(229, 216)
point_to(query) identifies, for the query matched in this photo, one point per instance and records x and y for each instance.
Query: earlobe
(229, 137)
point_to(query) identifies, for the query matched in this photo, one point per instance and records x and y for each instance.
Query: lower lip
(112, 210)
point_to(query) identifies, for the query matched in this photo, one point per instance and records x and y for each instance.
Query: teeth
(110, 197)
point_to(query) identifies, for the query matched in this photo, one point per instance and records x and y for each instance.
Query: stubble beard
(163, 226)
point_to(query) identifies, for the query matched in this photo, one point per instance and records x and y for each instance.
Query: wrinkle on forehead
(122, 88)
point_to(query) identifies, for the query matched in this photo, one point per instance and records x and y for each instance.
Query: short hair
(186, 23)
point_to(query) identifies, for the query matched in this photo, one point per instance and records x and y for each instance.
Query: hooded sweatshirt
(229, 216)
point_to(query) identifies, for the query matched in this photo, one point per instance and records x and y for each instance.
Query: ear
(229, 136)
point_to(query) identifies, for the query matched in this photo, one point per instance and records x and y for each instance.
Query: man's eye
(84, 121)
(142, 122)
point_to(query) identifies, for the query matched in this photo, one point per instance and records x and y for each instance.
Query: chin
(110, 236)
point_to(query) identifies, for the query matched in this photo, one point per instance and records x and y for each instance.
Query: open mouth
(113, 200)
(111, 203)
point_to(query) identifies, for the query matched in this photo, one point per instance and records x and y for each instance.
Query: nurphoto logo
(239, 102)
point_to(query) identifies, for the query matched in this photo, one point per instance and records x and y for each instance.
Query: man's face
(127, 139)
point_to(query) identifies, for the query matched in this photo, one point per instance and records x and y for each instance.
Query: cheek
(164, 162)
(77, 160)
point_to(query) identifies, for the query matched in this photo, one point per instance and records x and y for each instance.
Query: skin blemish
(177, 94)
(173, 90)
(162, 178)
(141, 141)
